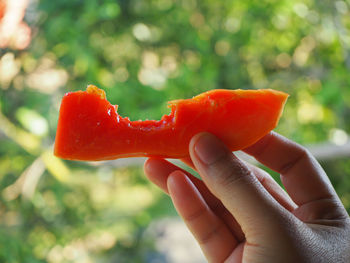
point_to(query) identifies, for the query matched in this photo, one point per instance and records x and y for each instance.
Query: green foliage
(144, 53)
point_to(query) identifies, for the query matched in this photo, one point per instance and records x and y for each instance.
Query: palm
(273, 226)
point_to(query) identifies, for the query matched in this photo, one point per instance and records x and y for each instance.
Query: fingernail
(209, 149)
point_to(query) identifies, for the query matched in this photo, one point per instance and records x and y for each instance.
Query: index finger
(302, 176)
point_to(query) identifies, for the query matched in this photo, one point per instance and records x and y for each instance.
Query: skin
(238, 213)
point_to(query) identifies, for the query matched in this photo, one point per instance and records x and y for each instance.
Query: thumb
(233, 183)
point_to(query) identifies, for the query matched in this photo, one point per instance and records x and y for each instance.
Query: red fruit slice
(89, 127)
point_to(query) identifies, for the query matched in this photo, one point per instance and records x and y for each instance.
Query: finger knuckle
(234, 174)
(302, 155)
(195, 215)
(207, 236)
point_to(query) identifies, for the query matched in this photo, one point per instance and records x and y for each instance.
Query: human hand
(238, 213)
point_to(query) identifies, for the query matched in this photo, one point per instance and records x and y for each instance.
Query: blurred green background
(144, 53)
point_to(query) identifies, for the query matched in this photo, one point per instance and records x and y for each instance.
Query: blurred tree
(144, 53)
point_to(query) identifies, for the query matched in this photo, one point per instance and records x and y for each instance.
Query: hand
(238, 213)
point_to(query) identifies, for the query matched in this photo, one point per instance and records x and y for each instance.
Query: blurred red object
(2, 8)
(14, 33)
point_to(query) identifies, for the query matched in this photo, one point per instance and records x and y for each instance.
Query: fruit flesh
(89, 127)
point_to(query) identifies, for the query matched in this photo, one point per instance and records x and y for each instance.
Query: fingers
(302, 176)
(273, 188)
(233, 183)
(158, 170)
(215, 239)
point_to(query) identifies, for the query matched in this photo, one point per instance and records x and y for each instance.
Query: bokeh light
(144, 53)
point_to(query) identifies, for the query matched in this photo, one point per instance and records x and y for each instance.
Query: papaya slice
(90, 128)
